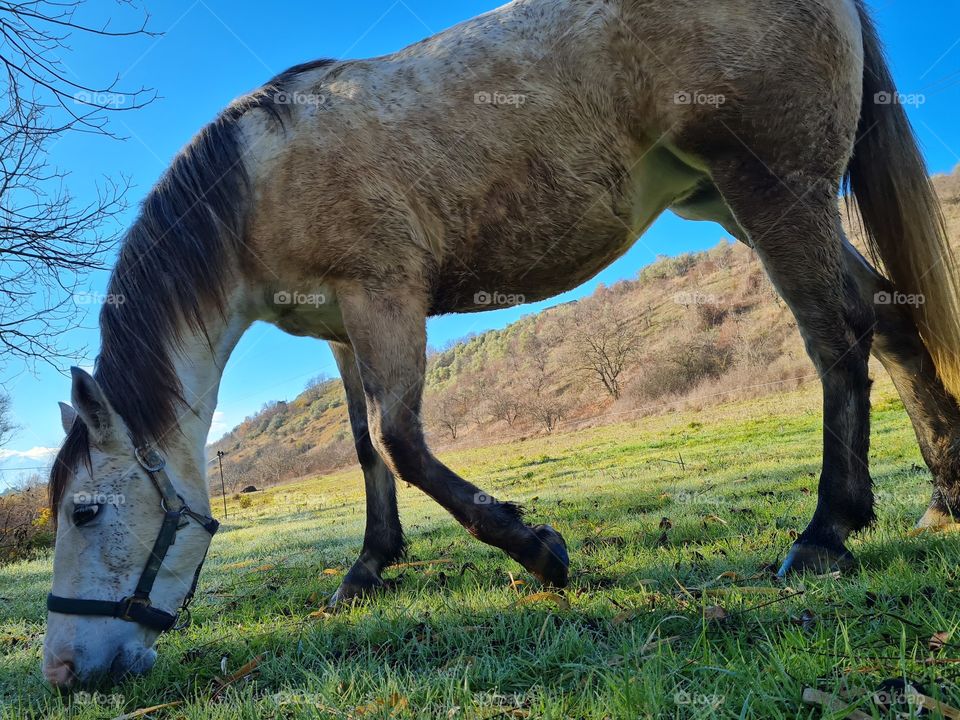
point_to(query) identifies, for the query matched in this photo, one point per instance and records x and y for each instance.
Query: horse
(517, 153)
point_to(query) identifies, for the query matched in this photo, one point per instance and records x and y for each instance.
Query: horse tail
(902, 217)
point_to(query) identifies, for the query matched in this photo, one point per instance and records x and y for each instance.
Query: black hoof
(549, 561)
(359, 583)
(809, 558)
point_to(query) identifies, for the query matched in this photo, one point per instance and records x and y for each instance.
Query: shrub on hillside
(25, 524)
(682, 368)
(668, 267)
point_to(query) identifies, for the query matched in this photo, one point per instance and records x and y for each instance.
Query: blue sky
(214, 50)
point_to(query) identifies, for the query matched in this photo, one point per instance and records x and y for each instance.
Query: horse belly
(532, 245)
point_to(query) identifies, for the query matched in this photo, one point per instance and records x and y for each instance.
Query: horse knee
(400, 448)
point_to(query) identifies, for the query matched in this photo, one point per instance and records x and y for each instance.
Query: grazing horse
(517, 153)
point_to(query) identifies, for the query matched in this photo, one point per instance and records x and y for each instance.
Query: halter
(137, 607)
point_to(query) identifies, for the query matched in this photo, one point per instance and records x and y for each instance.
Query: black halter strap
(137, 608)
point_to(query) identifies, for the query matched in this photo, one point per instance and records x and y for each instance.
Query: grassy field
(672, 610)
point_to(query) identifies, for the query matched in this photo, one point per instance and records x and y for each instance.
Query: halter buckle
(129, 603)
(150, 458)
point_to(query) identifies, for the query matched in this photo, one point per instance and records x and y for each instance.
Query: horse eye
(82, 514)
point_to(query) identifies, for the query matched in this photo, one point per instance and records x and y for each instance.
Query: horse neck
(199, 360)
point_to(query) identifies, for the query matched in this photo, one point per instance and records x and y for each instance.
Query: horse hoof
(936, 519)
(810, 558)
(549, 562)
(354, 586)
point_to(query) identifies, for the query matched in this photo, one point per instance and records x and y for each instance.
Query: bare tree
(448, 409)
(477, 396)
(504, 404)
(543, 403)
(275, 463)
(7, 426)
(604, 342)
(48, 239)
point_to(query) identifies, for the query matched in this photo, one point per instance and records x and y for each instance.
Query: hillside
(689, 331)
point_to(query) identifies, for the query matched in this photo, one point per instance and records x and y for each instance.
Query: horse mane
(173, 268)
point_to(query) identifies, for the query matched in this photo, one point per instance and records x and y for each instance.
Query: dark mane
(173, 267)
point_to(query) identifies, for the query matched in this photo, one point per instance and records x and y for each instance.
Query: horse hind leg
(799, 243)
(932, 409)
(383, 542)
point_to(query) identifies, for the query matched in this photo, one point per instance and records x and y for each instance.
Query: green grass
(452, 641)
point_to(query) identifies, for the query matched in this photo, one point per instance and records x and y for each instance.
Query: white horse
(517, 153)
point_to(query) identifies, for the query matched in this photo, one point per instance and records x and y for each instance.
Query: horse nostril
(131, 661)
(120, 666)
(61, 674)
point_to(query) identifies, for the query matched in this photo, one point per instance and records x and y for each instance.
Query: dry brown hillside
(688, 331)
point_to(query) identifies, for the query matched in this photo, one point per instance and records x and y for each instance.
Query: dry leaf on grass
(812, 696)
(939, 640)
(148, 710)
(561, 601)
(944, 710)
(715, 612)
(332, 571)
(395, 703)
(941, 661)
(714, 519)
(237, 565)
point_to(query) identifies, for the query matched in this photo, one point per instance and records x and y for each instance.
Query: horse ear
(92, 406)
(67, 416)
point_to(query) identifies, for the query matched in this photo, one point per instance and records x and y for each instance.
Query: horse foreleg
(388, 332)
(383, 542)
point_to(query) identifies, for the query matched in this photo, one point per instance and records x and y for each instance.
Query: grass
(642, 637)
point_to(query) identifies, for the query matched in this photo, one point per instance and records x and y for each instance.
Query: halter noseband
(137, 607)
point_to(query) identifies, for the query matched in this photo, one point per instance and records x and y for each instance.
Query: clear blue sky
(214, 50)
